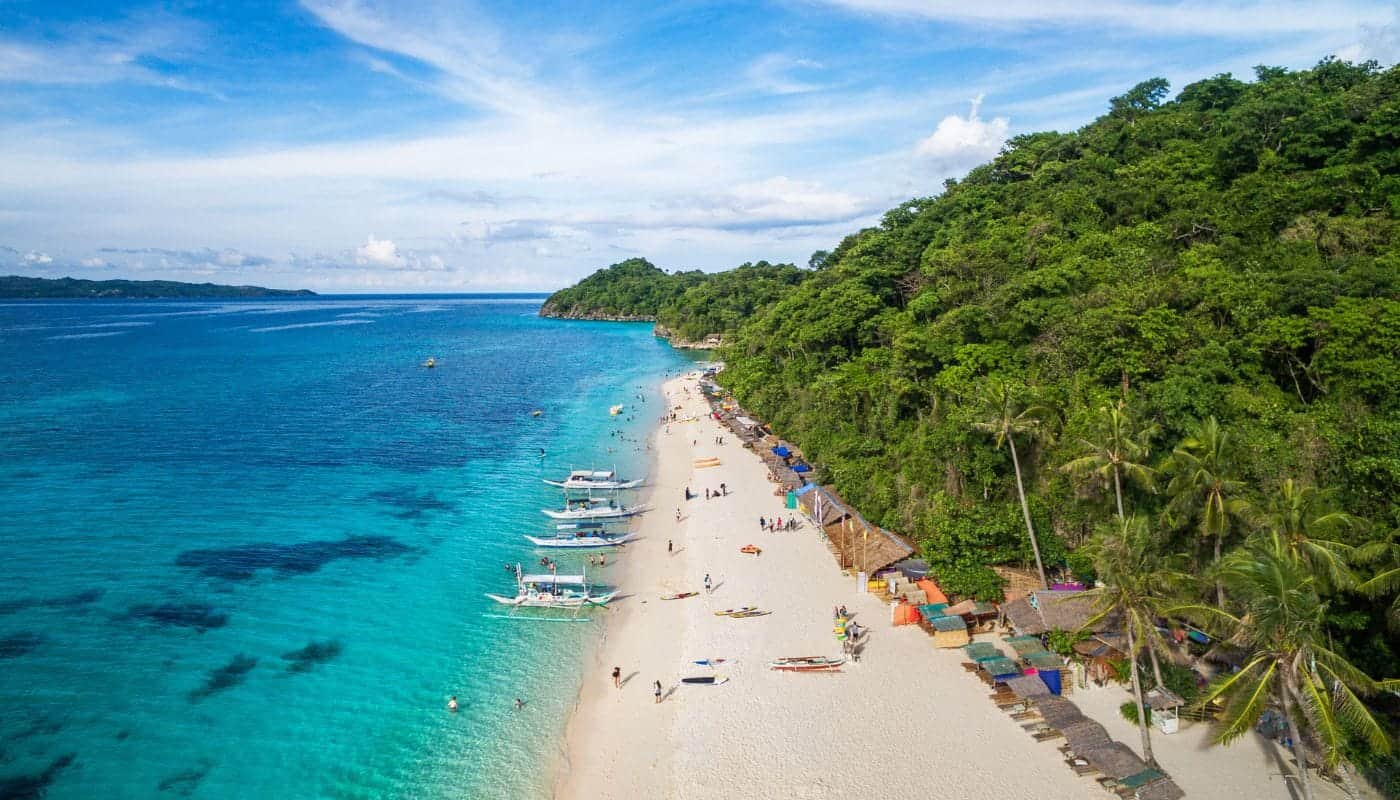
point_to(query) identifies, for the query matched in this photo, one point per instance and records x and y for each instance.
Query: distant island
(19, 286)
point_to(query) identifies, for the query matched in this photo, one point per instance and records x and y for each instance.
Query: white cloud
(36, 258)
(93, 263)
(776, 73)
(378, 253)
(1199, 18)
(965, 140)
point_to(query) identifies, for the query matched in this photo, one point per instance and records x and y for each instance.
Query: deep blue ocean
(245, 543)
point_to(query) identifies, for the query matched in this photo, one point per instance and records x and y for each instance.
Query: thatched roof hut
(1048, 610)
(1085, 735)
(1114, 759)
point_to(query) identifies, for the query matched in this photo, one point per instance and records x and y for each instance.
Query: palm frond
(1248, 697)
(1317, 709)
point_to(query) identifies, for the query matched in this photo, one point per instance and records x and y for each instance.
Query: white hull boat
(593, 510)
(553, 591)
(579, 540)
(583, 479)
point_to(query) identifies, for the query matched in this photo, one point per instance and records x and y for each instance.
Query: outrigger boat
(807, 664)
(580, 538)
(594, 479)
(552, 591)
(592, 508)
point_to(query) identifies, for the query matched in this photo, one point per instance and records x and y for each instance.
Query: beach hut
(1047, 610)
(1166, 707)
(979, 615)
(948, 632)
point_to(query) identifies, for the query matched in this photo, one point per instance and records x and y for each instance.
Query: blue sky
(424, 146)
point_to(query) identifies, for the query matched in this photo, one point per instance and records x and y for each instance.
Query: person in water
(519, 704)
(452, 703)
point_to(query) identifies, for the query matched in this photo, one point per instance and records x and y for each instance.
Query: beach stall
(948, 632)
(1166, 708)
(978, 615)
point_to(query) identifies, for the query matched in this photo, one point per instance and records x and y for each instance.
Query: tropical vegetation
(1165, 344)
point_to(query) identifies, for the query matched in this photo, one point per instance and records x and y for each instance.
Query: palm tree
(1288, 659)
(1002, 416)
(1119, 448)
(1137, 585)
(1386, 581)
(1204, 486)
(1300, 518)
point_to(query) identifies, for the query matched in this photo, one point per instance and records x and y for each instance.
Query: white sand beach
(905, 717)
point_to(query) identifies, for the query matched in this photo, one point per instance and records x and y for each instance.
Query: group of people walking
(779, 524)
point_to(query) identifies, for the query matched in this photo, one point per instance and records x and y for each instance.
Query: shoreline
(764, 733)
(906, 715)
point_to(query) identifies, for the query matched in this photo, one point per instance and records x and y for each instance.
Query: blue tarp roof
(806, 487)
(782, 451)
(801, 468)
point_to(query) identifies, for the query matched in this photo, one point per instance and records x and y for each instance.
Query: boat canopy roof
(571, 580)
(592, 474)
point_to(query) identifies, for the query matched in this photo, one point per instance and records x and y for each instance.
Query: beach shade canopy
(932, 611)
(1027, 686)
(932, 592)
(781, 451)
(947, 623)
(1113, 759)
(1058, 712)
(973, 608)
(1085, 734)
(804, 488)
(1000, 667)
(1165, 789)
(978, 650)
(1025, 645)
(1043, 660)
(801, 468)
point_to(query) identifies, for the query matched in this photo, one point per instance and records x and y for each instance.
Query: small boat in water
(593, 508)
(430, 363)
(615, 410)
(594, 479)
(552, 591)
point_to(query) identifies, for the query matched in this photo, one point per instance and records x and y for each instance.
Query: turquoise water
(245, 544)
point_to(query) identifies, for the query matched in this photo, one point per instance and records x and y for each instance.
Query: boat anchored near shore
(594, 479)
(593, 508)
(552, 590)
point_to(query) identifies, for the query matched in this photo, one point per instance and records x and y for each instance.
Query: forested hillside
(1164, 348)
(688, 305)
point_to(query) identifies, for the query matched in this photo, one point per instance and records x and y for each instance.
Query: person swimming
(452, 703)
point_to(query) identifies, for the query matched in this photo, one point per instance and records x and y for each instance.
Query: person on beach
(657, 691)
(709, 587)
(762, 523)
(669, 546)
(707, 493)
(452, 703)
(678, 515)
(617, 677)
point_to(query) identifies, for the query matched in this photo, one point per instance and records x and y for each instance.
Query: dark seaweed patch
(200, 616)
(82, 598)
(34, 786)
(242, 562)
(123, 735)
(18, 644)
(315, 653)
(410, 502)
(184, 782)
(226, 677)
(24, 474)
(38, 726)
